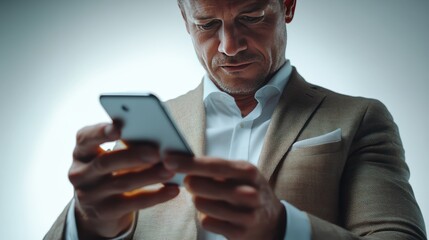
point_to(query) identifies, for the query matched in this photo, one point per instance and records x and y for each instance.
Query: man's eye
(249, 19)
(208, 26)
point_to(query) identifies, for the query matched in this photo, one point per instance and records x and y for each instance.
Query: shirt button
(241, 125)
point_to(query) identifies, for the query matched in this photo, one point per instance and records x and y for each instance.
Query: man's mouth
(236, 67)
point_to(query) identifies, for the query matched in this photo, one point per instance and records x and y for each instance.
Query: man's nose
(231, 41)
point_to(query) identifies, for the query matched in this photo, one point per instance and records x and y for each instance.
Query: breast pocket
(309, 178)
(328, 142)
(318, 149)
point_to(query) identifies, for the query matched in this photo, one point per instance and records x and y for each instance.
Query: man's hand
(105, 183)
(232, 197)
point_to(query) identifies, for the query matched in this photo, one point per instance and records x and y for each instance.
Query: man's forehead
(197, 8)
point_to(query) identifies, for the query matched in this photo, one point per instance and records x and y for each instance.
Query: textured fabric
(356, 188)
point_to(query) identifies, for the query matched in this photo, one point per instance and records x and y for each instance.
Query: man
(276, 157)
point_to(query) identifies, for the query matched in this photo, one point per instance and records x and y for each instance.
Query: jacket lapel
(298, 102)
(189, 114)
(188, 111)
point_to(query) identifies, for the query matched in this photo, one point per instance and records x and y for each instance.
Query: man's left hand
(232, 197)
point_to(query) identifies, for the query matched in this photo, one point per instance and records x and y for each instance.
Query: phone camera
(125, 108)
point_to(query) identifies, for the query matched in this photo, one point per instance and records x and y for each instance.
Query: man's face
(240, 43)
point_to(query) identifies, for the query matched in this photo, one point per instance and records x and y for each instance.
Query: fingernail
(150, 158)
(110, 132)
(172, 165)
(186, 182)
(149, 155)
(166, 174)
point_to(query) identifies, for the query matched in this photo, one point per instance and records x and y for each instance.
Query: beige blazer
(353, 188)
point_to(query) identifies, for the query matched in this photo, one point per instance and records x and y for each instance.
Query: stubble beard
(245, 88)
(234, 84)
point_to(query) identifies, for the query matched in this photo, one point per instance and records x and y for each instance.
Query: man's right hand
(103, 181)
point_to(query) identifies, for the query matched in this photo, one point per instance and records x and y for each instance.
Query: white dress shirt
(231, 136)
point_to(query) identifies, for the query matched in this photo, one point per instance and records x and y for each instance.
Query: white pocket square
(334, 136)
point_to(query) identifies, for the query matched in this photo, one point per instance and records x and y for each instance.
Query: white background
(56, 58)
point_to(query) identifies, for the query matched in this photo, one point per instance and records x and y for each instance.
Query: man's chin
(238, 87)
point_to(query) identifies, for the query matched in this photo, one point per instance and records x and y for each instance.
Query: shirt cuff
(71, 226)
(297, 223)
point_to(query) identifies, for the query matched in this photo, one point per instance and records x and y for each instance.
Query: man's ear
(289, 6)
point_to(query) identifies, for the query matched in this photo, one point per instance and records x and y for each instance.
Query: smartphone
(145, 118)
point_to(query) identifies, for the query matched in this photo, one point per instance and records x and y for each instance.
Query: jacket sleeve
(57, 230)
(377, 201)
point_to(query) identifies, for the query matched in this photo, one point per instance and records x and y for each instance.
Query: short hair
(180, 3)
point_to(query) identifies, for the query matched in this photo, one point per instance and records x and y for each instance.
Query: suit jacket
(356, 188)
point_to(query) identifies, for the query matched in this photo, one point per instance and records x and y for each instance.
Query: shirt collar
(274, 87)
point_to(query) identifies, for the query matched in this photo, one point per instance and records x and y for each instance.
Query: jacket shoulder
(180, 103)
(340, 100)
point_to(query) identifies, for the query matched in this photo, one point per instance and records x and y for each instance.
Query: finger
(88, 140)
(212, 167)
(227, 229)
(131, 181)
(224, 211)
(120, 205)
(145, 155)
(232, 192)
(82, 174)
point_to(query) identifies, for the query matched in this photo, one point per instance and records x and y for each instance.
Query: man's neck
(246, 103)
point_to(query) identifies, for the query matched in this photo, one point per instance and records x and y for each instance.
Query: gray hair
(180, 3)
